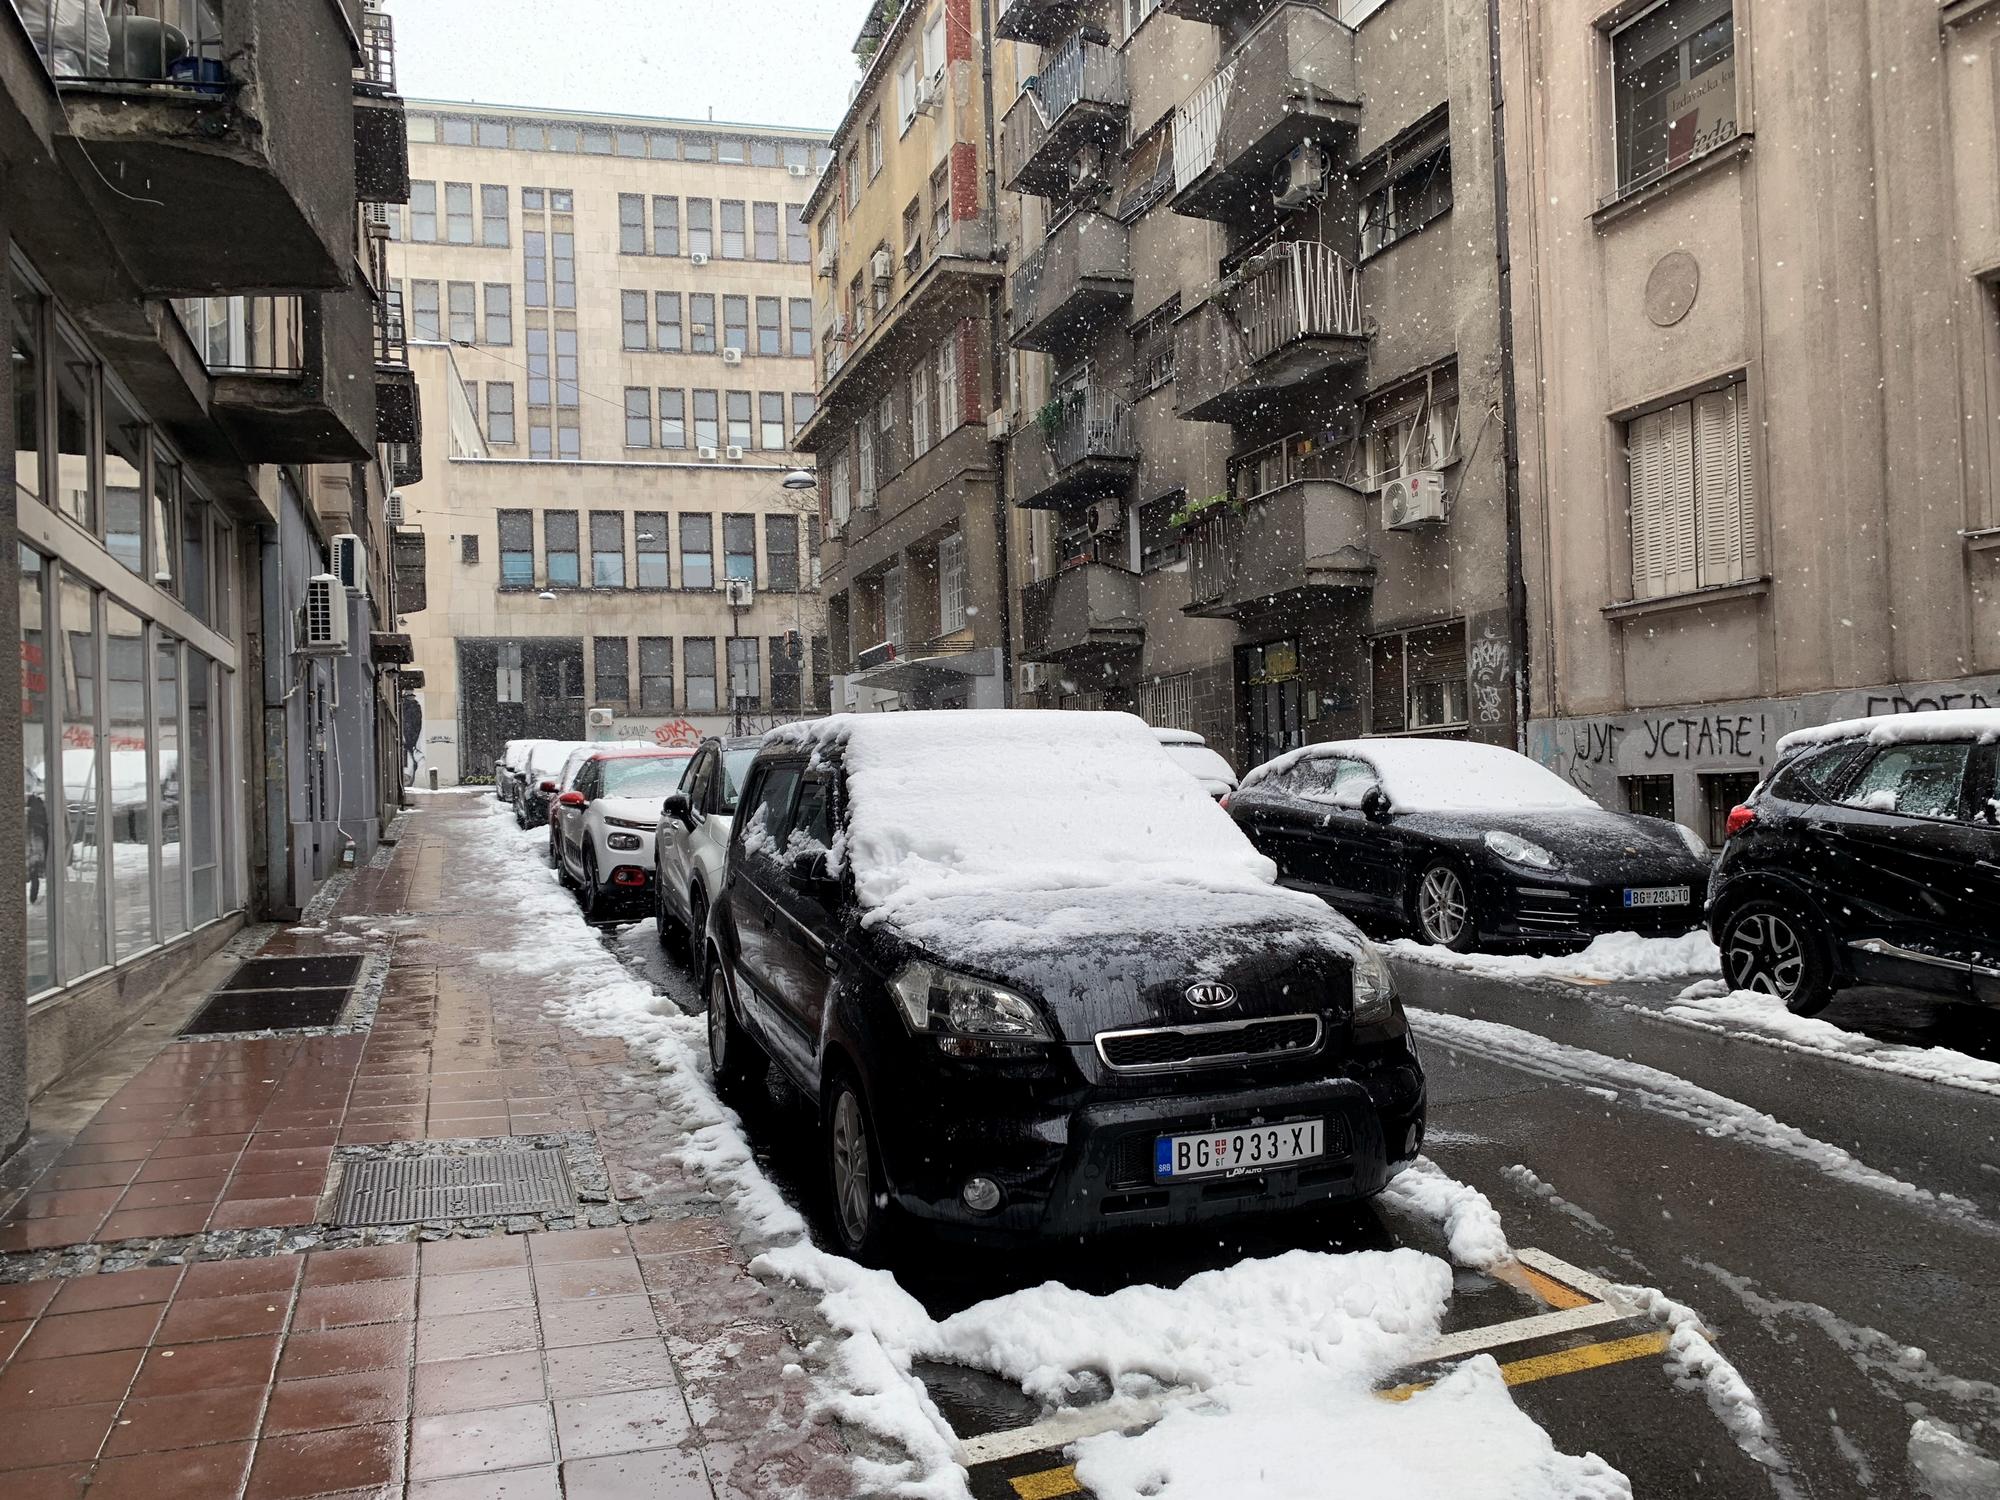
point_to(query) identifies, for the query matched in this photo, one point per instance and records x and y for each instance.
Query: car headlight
(970, 1017)
(622, 840)
(1519, 851)
(1374, 986)
(629, 823)
(1696, 844)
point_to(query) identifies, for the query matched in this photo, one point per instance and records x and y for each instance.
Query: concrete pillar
(13, 829)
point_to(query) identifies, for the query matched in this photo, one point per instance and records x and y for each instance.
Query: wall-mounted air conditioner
(350, 563)
(1301, 177)
(799, 169)
(732, 356)
(738, 593)
(323, 623)
(824, 262)
(600, 718)
(392, 508)
(707, 453)
(930, 93)
(698, 258)
(882, 266)
(1413, 499)
(1105, 516)
(734, 453)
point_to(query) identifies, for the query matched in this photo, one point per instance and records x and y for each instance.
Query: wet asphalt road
(1818, 1287)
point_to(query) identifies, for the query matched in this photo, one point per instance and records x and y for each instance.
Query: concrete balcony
(1037, 21)
(1287, 316)
(1211, 12)
(1084, 613)
(1292, 81)
(397, 408)
(1078, 100)
(1079, 447)
(381, 131)
(1079, 281)
(216, 145)
(1299, 544)
(286, 372)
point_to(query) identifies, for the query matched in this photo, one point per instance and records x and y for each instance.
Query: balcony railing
(1290, 313)
(1079, 280)
(1198, 125)
(1303, 540)
(392, 343)
(1078, 99)
(1079, 446)
(377, 73)
(149, 44)
(1087, 611)
(1088, 424)
(1301, 290)
(246, 335)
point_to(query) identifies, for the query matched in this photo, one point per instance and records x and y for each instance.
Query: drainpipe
(997, 363)
(1517, 582)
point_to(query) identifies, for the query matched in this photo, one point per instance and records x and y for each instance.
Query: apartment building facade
(199, 707)
(908, 228)
(1755, 285)
(1257, 323)
(611, 321)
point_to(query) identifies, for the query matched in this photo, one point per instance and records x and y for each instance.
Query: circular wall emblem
(1670, 290)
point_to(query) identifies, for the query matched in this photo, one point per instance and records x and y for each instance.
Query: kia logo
(1211, 994)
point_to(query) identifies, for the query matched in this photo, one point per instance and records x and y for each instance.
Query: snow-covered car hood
(641, 810)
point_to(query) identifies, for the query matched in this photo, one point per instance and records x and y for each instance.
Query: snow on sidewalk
(1610, 958)
(1749, 1016)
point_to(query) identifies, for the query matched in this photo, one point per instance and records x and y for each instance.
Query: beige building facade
(611, 322)
(1755, 261)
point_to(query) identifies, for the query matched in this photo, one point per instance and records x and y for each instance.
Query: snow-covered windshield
(643, 775)
(1202, 763)
(1421, 776)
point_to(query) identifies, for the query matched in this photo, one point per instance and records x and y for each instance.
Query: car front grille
(1156, 1049)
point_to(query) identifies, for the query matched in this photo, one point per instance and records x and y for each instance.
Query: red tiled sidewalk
(640, 1360)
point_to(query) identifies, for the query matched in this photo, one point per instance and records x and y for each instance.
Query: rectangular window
(739, 419)
(1410, 427)
(650, 549)
(1693, 495)
(771, 421)
(540, 437)
(667, 322)
(499, 412)
(1721, 791)
(707, 420)
(538, 367)
(631, 223)
(499, 313)
(934, 44)
(739, 548)
(424, 311)
(800, 310)
(630, 142)
(666, 226)
(700, 239)
(698, 661)
(697, 148)
(701, 322)
(864, 461)
(457, 130)
(940, 207)
(567, 393)
(559, 547)
(802, 409)
(1408, 189)
(1419, 680)
(781, 553)
(736, 323)
(632, 314)
(424, 212)
(1168, 702)
(920, 410)
(611, 668)
(764, 231)
(770, 325)
(561, 201)
(744, 687)
(840, 489)
(873, 141)
(492, 214)
(951, 583)
(949, 407)
(906, 95)
(533, 200)
(885, 435)
(607, 548)
(697, 552)
(458, 213)
(564, 246)
(463, 311)
(517, 549)
(1649, 796)
(1160, 543)
(569, 436)
(728, 148)
(638, 417)
(798, 248)
(673, 418)
(850, 172)
(535, 268)
(1674, 87)
(656, 674)
(785, 667)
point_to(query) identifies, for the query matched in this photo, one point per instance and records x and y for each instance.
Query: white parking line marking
(1063, 1428)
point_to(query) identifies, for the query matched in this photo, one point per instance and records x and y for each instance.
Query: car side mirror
(812, 872)
(573, 799)
(677, 807)
(1375, 805)
(548, 786)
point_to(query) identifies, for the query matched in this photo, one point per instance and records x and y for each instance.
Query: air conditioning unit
(599, 718)
(732, 356)
(698, 258)
(882, 266)
(1413, 499)
(323, 630)
(930, 93)
(376, 217)
(350, 563)
(708, 453)
(734, 453)
(738, 592)
(799, 169)
(392, 508)
(1301, 177)
(1105, 516)
(824, 262)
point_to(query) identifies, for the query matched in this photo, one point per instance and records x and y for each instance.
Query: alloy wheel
(1441, 906)
(1765, 954)
(853, 1187)
(718, 1023)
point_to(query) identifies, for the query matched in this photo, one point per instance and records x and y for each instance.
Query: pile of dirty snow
(1612, 957)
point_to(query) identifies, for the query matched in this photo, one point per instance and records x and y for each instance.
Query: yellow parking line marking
(1562, 1362)
(1543, 1287)
(1048, 1484)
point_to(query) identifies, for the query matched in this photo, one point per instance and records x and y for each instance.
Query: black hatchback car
(1871, 855)
(1011, 1034)
(1467, 845)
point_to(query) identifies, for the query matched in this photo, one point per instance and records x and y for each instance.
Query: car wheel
(697, 918)
(1441, 908)
(861, 1214)
(563, 876)
(590, 895)
(666, 926)
(736, 1061)
(1775, 951)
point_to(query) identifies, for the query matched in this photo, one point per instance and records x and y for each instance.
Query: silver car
(691, 844)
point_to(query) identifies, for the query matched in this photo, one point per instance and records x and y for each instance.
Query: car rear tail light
(548, 786)
(1223, 802)
(1740, 817)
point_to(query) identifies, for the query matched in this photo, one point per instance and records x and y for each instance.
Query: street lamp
(800, 479)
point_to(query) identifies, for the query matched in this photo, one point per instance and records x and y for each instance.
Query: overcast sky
(775, 62)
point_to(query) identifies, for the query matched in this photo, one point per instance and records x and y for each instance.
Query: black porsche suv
(983, 1064)
(1871, 855)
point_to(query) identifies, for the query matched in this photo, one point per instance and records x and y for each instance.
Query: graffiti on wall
(1490, 660)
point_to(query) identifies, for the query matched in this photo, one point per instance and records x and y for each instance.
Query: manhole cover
(266, 1010)
(403, 1190)
(317, 971)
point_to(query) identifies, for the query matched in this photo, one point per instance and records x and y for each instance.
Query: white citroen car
(603, 827)
(691, 845)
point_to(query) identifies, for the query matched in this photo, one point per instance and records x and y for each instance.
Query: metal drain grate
(279, 994)
(314, 972)
(404, 1190)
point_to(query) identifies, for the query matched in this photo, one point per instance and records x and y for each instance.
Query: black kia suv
(1871, 855)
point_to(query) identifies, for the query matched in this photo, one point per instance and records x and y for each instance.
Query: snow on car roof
(1202, 763)
(549, 755)
(612, 751)
(1423, 775)
(1178, 737)
(1981, 724)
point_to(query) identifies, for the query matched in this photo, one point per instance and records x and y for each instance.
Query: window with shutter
(1693, 495)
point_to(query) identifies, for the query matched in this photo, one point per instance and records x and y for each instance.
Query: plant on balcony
(1055, 411)
(1195, 510)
